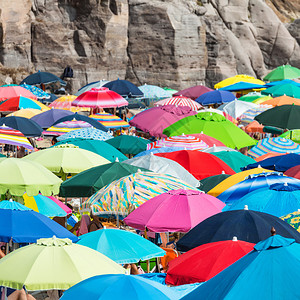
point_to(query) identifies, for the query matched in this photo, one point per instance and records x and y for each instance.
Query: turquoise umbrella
(86, 134)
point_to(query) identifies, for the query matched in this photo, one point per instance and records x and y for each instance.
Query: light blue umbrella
(86, 134)
(159, 150)
(13, 205)
(154, 92)
(92, 85)
(121, 246)
(39, 93)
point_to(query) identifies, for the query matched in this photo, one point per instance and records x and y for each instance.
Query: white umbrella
(237, 107)
(217, 149)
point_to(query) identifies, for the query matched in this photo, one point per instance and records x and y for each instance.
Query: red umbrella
(180, 101)
(193, 92)
(293, 172)
(210, 141)
(7, 92)
(204, 262)
(199, 164)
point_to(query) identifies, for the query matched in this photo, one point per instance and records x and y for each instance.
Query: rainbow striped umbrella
(180, 101)
(183, 141)
(109, 120)
(123, 195)
(277, 144)
(65, 127)
(248, 116)
(14, 137)
(65, 102)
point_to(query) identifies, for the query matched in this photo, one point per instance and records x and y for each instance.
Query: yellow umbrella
(234, 179)
(25, 113)
(237, 78)
(64, 102)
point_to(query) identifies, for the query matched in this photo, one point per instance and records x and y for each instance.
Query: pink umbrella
(61, 205)
(97, 98)
(154, 120)
(193, 92)
(210, 141)
(7, 92)
(180, 101)
(174, 211)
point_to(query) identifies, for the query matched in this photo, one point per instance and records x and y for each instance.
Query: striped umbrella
(86, 134)
(7, 92)
(183, 141)
(39, 93)
(180, 101)
(277, 144)
(123, 195)
(109, 120)
(14, 137)
(65, 127)
(248, 116)
(154, 92)
(21, 102)
(64, 102)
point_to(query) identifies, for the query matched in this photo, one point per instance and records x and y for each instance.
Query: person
(2, 254)
(54, 141)
(95, 223)
(21, 152)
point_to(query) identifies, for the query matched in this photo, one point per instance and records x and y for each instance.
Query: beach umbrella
(254, 126)
(199, 164)
(116, 286)
(154, 92)
(65, 102)
(163, 166)
(193, 92)
(91, 85)
(276, 144)
(19, 176)
(279, 82)
(99, 147)
(129, 192)
(123, 247)
(249, 115)
(100, 98)
(238, 78)
(262, 100)
(48, 118)
(268, 155)
(209, 140)
(66, 127)
(215, 97)
(174, 211)
(213, 125)
(154, 120)
(208, 183)
(128, 144)
(13, 205)
(290, 90)
(86, 134)
(250, 97)
(293, 135)
(7, 92)
(241, 86)
(180, 101)
(14, 137)
(27, 113)
(206, 261)
(21, 102)
(247, 225)
(236, 108)
(215, 148)
(109, 120)
(88, 182)
(42, 78)
(124, 88)
(159, 150)
(293, 219)
(283, 72)
(183, 141)
(63, 261)
(282, 100)
(293, 172)
(39, 93)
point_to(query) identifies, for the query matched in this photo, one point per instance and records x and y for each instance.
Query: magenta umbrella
(154, 120)
(174, 211)
(193, 92)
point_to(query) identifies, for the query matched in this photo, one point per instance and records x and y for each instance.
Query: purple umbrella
(154, 120)
(193, 92)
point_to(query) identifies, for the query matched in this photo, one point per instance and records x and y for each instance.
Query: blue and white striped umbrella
(154, 92)
(248, 116)
(39, 93)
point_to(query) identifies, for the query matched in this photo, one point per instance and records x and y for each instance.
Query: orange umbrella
(268, 155)
(254, 127)
(64, 102)
(282, 100)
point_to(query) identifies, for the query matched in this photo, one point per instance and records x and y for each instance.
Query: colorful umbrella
(293, 219)
(250, 97)
(66, 127)
(238, 78)
(215, 148)
(124, 88)
(249, 115)
(62, 260)
(89, 86)
(282, 100)
(180, 101)
(236, 108)
(241, 86)
(14, 137)
(174, 211)
(193, 92)
(283, 72)
(208, 183)
(21, 102)
(206, 261)
(109, 120)
(215, 97)
(39, 93)
(290, 90)
(154, 92)
(7, 92)
(268, 155)
(210, 141)
(65, 102)
(159, 150)
(27, 113)
(42, 78)
(86, 134)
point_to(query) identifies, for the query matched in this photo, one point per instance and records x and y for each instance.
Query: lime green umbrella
(214, 125)
(283, 72)
(18, 176)
(65, 159)
(53, 264)
(293, 135)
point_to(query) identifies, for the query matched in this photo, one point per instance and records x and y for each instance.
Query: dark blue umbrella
(49, 100)
(48, 118)
(83, 118)
(215, 97)
(247, 225)
(240, 86)
(28, 127)
(278, 163)
(124, 88)
(42, 77)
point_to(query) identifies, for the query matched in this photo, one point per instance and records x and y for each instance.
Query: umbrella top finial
(246, 207)
(223, 172)
(234, 239)
(285, 184)
(117, 159)
(273, 231)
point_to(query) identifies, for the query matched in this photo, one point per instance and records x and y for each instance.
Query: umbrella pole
(118, 223)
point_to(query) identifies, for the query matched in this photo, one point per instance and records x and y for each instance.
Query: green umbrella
(293, 135)
(65, 159)
(214, 125)
(235, 160)
(251, 97)
(128, 144)
(290, 90)
(99, 147)
(172, 91)
(53, 264)
(88, 182)
(210, 182)
(283, 72)
(18, 176)
(284, 116)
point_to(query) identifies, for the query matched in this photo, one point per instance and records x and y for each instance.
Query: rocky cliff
(176, 43)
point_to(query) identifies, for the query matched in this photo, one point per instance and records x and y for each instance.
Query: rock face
(176, 43)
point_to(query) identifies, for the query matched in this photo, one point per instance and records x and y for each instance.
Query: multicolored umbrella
(154, 92)
(21, 102)
(14, 137)
(39, 93)
(158, 150)
(180, 101)
(293, 219)
(65, 102)
(209, 140)
(290, 90)
(123, 195)
(208, 183)
(25, 113)
(66, 127)
(7, 92)
(249, 115)
(238, 78)
(250, 97)
(215, 148)
(86, 134)
(109, 120)
(241, 86)
(283, 72)
(193, 92)
(268, 155)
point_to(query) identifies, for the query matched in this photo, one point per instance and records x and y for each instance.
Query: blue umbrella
(279, 199)
(42, 77)
(270, 271)
(154, 92)
(119, 286)
(278, 163)
(159, 150)
(240, 86)
(13, 205)
(124, 88)
(86, 134)
(247, 225)
(215, 97)
(39, 93)
(253, 183)
(121, 246)
(285, 81)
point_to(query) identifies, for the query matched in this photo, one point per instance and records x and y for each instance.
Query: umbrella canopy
(180, 101)
(99, 147)
(91, 85)
(254, 126)
(293, 219)
(39, 93)
(199, 164)
(65, 127)
(109, 120)
(42, 77)
(276, 144)
(247, 225)
(27, 113)
(21, 102)
(128, 144)
(116, 286)
(14, 137)
(174, 211)
(209, 140)
(282, 100)
(129, 192)
(123, 247)
(238, 78)
(236, 108)
(65, 102)
(62, 260)
(268, 155)
(290, 90)
(215, 149)
(293, 135)
(293, 172)
(19, 176)
(154, 120)
(124, 88)
(193, 92)
(86, 134)
(100, 98)
(250, 97)
(208, 183)
(7, 92)
(206, 261)
(249, 115)
(215, 97)
(159, 150)
(258, 275)
(88, 182)
(283, 72)
(13, 205)
(285, 81)
(154, 92)
(213, 125)
(241, 86)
